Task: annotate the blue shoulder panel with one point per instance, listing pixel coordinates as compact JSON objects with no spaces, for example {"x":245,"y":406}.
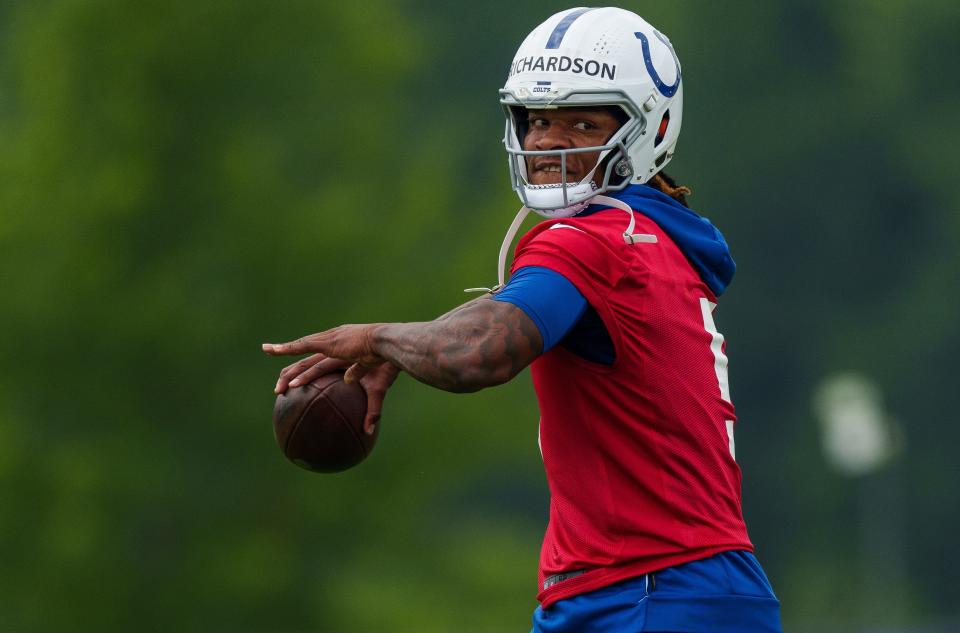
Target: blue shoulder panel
{"x":548,"y":298}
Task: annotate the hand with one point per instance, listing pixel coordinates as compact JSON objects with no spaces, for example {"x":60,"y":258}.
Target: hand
{"x":307,"y":370}
{"x":347,"y":346}
{"x":346,"y":342}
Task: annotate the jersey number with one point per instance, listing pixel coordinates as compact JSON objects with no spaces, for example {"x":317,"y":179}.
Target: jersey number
{"x":719,"y":363}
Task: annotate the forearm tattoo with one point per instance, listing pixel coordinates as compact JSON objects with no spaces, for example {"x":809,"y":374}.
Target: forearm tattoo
{"x":479,"y":344}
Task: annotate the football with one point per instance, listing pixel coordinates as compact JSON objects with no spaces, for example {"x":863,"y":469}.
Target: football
{"x":319,"y":426}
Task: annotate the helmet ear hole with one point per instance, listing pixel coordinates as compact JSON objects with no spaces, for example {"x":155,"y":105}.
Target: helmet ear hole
{"x":662,"y":130}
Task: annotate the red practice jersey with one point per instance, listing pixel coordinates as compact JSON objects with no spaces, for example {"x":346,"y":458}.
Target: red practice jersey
{"x":639,"y":455}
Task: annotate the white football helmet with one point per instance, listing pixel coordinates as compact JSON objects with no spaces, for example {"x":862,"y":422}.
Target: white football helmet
{"x":594,"y":57}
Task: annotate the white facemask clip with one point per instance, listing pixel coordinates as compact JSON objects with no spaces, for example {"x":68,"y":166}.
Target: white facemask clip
{"x":628,"y":236}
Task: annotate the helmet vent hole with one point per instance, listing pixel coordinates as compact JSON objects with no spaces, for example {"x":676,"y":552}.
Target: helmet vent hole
{"x":662,"y":131}
{"x":605,"y":45}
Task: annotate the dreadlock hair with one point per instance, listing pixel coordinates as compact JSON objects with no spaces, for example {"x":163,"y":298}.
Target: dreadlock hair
{"x":666,"y":184}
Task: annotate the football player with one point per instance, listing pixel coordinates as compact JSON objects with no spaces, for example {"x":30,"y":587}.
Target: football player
{"x":611,"y":303}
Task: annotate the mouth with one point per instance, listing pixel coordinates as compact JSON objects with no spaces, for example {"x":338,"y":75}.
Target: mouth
{"x":550,"y":172}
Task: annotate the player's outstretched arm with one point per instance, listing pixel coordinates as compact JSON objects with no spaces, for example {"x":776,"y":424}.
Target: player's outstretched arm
{"x":480,"y":344}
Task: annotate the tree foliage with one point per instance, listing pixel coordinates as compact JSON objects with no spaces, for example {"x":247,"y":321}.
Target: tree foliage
{"x":183,"y":180}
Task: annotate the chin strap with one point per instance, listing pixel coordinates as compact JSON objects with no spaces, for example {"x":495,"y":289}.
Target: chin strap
{"x":504,"y":248}
{"x":629,"y":237}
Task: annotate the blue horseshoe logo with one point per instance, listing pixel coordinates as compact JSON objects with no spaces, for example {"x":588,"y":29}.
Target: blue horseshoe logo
{"x":665,"y":90}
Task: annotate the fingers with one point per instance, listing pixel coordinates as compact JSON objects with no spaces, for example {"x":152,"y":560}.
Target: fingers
{"x":349,"y":342}
{"x":375,"y":397}
{"x":312,"y":343}
{"x":355,"y":373}
{"x":370,"y":422}
{"x":290,"y":372}
{"x":286,"y":349}
{"x":376,"y":382}
{"x":321,"y":368}
{"x":307,"y":370}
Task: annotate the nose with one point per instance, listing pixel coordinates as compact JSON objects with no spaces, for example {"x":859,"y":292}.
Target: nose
{"x":552,"y":137}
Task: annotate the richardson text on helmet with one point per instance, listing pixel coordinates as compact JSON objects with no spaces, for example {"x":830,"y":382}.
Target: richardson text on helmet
{"x":563,"y":64}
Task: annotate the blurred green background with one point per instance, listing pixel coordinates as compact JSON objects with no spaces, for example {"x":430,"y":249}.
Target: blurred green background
{"x":181,"y":180}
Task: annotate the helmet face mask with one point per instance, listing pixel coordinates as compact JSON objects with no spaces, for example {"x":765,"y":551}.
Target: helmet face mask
{"x":613,"y":163}
{"x":594,"y":58}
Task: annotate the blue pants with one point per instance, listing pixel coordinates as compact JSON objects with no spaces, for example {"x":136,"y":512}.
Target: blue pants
{"x":725,"y":593}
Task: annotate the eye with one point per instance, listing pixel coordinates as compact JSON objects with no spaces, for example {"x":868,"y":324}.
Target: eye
{"x":538,"y":122}
{"x":584,"y":126}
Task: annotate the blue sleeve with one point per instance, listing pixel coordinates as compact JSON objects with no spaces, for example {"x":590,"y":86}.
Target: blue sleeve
{"x":548,"y":298}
